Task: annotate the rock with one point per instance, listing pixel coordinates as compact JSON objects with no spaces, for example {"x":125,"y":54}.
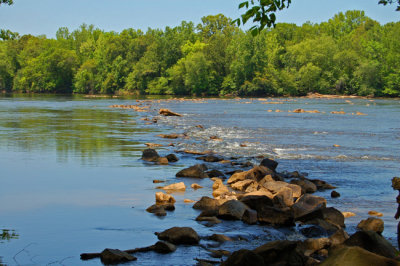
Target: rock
{"x":373,"y":242}
{"x":296,"y":189}
{"x":164,"y":247}
{"x":152,"y":145}
{"x":356,"y":256}
{"x":313,"y":231}
{"x":215,"y":173}
{"x":256,"y":173}
{"x":115,"y":256}
{"x":219,"y":188}
{"x":206,"y":203}
{"x":172,"y":158}
{"x":167,"y":112}
{"x":253,"y":187}
{"x":275,"y":186}
{"x":372,"y":224}
{"x":195,"y":186}
{"x":162,"y":161}
{"x":375,"y":213}
{"x":150,"y":155}
{"x":257,"y":201}
{"x":188,"y":201}
{"x":250,"y":216}
{"x":169,"y":136}
{"x":160,"y":210}
{"x":348,"y":214}
{"x":307,"y":204}
{"x":155,"y":181}
{"x":180,"y":235}
{"x":339,"y":237}
{"x":306,"y":185}
{"x":335,"y":194}
{"x":281,"y":252}
{"x":215,"y":138}
{"x":269,"y":163}
{"x":322,"y":185}
{"x":242,"y":185}
{"x":396,"y":183}
{"x":314,"y":244}
{"x":211,"y":220}
{"x":275,"y":216}
{"x":219,"y":238}
{"x":195,"y":171}
{"x":329,"y":227}
{"x":232,"y":210}
{"x":265,"y":179}
{"x":219,"y":253}
{"x":284,"y":197}
{"x":244,"y":257}
{"x":162,"y":198}
{"x":210,"y":158}
{"x":176,"y":187}
{"x":331,"y":215}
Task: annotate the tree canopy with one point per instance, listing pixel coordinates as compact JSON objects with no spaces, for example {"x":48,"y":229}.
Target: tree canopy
{"x":8,"y":2}
{"x":348,"y":54}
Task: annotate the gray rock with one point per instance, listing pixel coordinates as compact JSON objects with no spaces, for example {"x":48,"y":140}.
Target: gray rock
{"x":150,"y":155}
{"x":275,"y":216}
{"x":195,"y":171}
{"x":232,"y":210}
{"x":307,"y":204}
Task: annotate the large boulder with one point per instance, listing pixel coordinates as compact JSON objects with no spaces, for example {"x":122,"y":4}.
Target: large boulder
{"x":215,"y":173}
{"x":196,"y":171}
{"x":284,"y":197}
{"x":150,"y":155}
{"x":339,"y":237}
{"x":373,"y":242}
{"x":219,"y":188}
{"x":206,"y":203}
{"x":244,"y":257}
{"x":115,"y":256}
{"x":232,"y":210}
{"x":372,"y":224}
{"x":306,"y":185}
{"x":307,"y":204}
{"x":281,"y":252}
{"x":331,"y":215}
{"x":275,"y":216}
{"x":356,"y":256}
{"x":180,"y":235}
{"x":256,"y":173}
{"x":257,"y":201}
{"x":269,"y":163}
{"x":275,"y":186}
{"x":242,"y":185}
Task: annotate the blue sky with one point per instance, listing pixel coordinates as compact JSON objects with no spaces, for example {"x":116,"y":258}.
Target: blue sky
{"x":46,"y":16}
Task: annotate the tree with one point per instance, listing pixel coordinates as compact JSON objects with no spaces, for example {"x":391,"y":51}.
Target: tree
{"x":8,"y":2}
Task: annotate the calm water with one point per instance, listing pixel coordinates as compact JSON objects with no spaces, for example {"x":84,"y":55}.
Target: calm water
{"x":72,"y":180}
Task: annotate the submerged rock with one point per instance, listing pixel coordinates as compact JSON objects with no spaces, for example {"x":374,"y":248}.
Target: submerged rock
{"x":180,"y":235}
{"x":164,"y":247}
{"x":115,"y":256}
{"x":210,"y":158}
{"x":172,"y":158}
{"x":220,"y":238}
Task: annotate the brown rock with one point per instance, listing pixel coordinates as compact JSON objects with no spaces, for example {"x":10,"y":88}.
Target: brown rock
{"x":164,"y":247}
{"x":375,"y":213}
{"x":180,"y":235}
{"x":242,"y":185}
{"x":167,"y":112}
{"x":195,"y":171}
{"x":195,"y":186}
{"x":150,"y":155}
{"x":335,"y":194}
{"x":307,"y":204}
{"x":175,"y":187}
{"x":162,"y":198}
{"x":372,"y":224}
{"x":232,"y":210}
{"x":162,"y":161}
{"x":219,"y":238}
{"x":172,"y":158}
{"x":244,"y":257}
{"x":206,"y":203}
{"x":115,"y":256}
{"x":306,"y":185}
{"x":250,"y":216}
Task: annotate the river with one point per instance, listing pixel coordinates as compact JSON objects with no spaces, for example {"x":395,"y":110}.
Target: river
{"x":72,"y":180}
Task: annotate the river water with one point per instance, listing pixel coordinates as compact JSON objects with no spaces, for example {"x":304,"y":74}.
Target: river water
{"x":72,"y":180}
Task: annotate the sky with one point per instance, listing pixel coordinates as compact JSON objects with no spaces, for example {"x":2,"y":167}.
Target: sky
{"x":44,"y":17}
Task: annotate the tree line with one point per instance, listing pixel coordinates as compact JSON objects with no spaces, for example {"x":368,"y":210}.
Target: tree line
{"x":349,"y":54}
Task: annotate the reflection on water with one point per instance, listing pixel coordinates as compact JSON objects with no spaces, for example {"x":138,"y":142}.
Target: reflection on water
{"x":7,"y":235}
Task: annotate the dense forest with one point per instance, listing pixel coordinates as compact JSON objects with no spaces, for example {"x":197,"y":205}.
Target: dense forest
{"x":348,"y":54}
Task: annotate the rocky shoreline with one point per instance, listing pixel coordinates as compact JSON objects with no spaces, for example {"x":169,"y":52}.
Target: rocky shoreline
{"x":259,"y":194}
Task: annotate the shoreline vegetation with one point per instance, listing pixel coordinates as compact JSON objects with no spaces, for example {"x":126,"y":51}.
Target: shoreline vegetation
{"x":350,"y":54}
{"x":254,"y":194}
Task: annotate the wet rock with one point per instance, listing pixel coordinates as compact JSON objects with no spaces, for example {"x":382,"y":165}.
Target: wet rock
{"x":215,"y":173}
{"x":373,"y":242}
{"x":175,"y":187}
{"x":335,"y":194}
{"x":180,"y":235}
{"x":269,"y":163}
{"x":281,"y":252}
{"x":331,"y":215}
{"x":312,"y":245}
{"x":195,"y":171}
{"x":115,"y":256}
{"x":348,"y":214}
{"x":242,"y":185}
{"x":329,"y":227}
{"x":164,"y":247}
{"x":150,"y":155}
{"x":210,"y":158}
{"x":162,"y":198}
{"x":172,"y":158}
{"x":219,"y":253}
{"x":244,"y":257}
{"x":294,"y":174}
{"x":188,"y":201}
{"x":156,"y":181}
{"x":253,"y":187}
{"x":211,"y":220}
{"x":339,"y":237}
{"x":153,"y":145}
{"x":356,"y":256}
{"x":396,"y":183}
{"x":313,"y":231}
{"x":275,"y":186}
{"x":296,"y":189}
{"x":160,"y":210}
{"x":322,"y":185}
{"x":256,"y":173}
{"x":375,"y":213}
{"x":219,"y":188}
{"x":206,"y":203}
{"x":257,"y":201}
{"x":265,"y":179}
{"x":232,"y":210}
{"x":307,"y":204}
{"x":306,"y":185}
{"x":162,"y":161}
{"x":275,"y":216}
{"x":219,"y":238}
{"x":372,"y":224}
{"x":250,"y":216}
{"x":169,"y":136}
{"x":195,"y":186}
{"x":167,"y":112}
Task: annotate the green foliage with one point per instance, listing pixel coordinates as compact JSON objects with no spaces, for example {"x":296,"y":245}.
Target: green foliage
{"x":348,"y":54}
{"x":8,"y":2}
